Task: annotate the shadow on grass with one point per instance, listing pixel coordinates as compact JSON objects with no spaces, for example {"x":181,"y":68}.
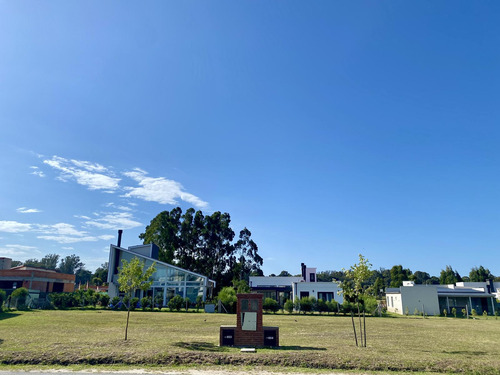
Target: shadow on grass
{"x":465,"y":352}
{"x":201,"y":346}
{"x":6,"y":315}
{"x":298,"y":347}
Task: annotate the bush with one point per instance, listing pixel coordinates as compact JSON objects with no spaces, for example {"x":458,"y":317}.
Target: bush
{"x":321,"y":306}
{"x":289,"y":306}
{"x":3,"y":297}
{"x":104,"y":299}
{"x":473,"y":313}
{"x":228,"y":298}
{"x":187,"y":303}
{"x":175,"y":303}
{"x":270,"y":305}
{"x":333,"y":306}
{"x":20,"y":296}
{"x":306,"y":305}
{"x":134,"y":303}
{"x":145,"y":303}
{"x":199,"y":303}
{"x":115,"y":301}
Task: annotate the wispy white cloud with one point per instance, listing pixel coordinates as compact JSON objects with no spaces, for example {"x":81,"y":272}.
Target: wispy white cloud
{"x":159,"y":189}
{"x":14,"y":226}
{"x":93,"y":176}
{"x":37,"y":172}
{"x":19,"y":251}
{"x":69,"y":239}
{"x":67,"y":248}
{"x":114,"y":220}
{"x":24,"y":210}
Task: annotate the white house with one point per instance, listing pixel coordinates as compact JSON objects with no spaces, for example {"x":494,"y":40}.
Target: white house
{"x":433,"y":299}
{"x":282,"y":288}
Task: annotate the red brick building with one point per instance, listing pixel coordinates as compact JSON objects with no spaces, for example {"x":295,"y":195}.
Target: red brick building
{"x":34,"y":279}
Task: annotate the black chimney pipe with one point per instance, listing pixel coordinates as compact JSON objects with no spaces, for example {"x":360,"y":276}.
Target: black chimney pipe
{"x":120,"y":232}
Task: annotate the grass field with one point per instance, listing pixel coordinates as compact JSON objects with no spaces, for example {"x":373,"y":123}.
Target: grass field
{"x":394,"y":344}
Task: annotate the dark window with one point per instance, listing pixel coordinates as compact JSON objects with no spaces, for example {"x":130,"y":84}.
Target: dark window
{"x":325,"y":296}
{"x":312,"y":277}
{"x":304,"y":294}
{"x":58,"y":287}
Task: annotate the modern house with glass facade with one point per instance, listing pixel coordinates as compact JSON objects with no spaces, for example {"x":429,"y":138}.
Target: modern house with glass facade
{"x":168,"y":280}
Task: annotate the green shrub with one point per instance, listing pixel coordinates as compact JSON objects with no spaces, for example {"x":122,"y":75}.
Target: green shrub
{"x":270,"y":305}
{"x":454,"y":312}
{"x":115,"y":301}
{"x":20,"y":296}
{"x":187,"y":303}
{"x":485,"y":314}
{"x":175,"y":303}
{"x":321,"y":306}
{"x":227,"y":296}
{"x":306,"y":305}
{"x":145,"y":303}
{"x":296,"y":305}
{"x":445,"y":313}
{"x":104,"y":299}
{"x":473,"y":313}
{"x":133,"y":303}
{"x":3,"y":298}
{"x":333,"y":306}
{"x":289,"y":306}
{"x":199,"y":303}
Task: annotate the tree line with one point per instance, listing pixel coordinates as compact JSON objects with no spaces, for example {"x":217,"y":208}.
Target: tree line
{"x":204,"y":244}
{"x":70,"y":264}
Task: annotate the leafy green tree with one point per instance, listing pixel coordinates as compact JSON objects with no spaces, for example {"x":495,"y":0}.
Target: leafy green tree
{"x":82,"y":276}
{"x":378,"y":287}
{"x":228,"y":298}
{"x":132,"y":276}
{"x":100,"y":276}
{"x":204,"y":244}
{"x":420,"y":277}
{"x":480,"y":274}
{"x":284,"y":274}
{"x":398,"y":275}
{"x":241,"y":286}
{"x":353,"y":289}
{"x":70,"y":264}
{"x":328,"y":276}
{"x":16,"y":263}
{"x":449,"y":276}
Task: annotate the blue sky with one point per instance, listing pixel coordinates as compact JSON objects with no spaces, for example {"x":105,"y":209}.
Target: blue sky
{"x":327,"y":128}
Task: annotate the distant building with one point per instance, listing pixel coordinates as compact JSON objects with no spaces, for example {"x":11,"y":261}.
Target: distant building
{"x":282,"y":288}
{"x":38,"y":281}
{"x":433,"y":299}
{"x":168,"y":280}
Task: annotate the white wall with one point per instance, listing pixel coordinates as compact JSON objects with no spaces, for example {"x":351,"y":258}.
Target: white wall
{"x":256,"y":281}
{"x":420,"y":297}
{"x":315,"y":288}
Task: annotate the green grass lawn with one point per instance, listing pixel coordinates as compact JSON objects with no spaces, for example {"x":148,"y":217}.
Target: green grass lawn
{"x":394,"y":344}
